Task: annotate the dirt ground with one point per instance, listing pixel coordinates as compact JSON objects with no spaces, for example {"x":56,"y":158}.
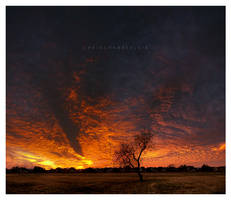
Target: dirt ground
{"x":117,"y":183}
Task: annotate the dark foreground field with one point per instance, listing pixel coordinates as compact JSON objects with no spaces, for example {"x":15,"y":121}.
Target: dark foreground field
{"x":116,"y":183}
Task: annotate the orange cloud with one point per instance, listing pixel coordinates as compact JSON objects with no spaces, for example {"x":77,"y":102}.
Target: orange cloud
{"x":103,"y":125}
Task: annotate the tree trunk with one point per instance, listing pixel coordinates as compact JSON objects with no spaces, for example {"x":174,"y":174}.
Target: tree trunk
{"x":139,"y":172}
{"x":140,"y":175}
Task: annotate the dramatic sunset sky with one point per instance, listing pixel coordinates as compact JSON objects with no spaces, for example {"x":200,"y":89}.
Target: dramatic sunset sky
{"x":71,"y":106}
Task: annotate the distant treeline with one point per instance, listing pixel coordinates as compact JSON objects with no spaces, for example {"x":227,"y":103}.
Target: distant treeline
{"x":170,"y":168}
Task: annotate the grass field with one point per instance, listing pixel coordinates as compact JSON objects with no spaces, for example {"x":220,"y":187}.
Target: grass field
{"x":117,"y":183}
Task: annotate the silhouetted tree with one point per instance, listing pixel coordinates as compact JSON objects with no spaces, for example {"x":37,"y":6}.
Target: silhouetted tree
{"x":183,"y":168}
{"x":206,"y":168}
{"x":72,"y":170}
{"x":171,"y":168}
{"x":129,"y":154}
{"x":37,"y":169}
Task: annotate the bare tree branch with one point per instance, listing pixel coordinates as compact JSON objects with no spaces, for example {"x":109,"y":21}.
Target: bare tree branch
{"x":126,"y":155}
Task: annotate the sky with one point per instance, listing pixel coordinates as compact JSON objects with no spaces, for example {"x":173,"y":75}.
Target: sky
{"x":83,"y":80}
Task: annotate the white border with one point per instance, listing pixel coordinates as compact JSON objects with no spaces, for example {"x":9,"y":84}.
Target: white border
{"x":2,"y":101}
{"x":115,"y":2}
{"x":228,"y":101}
{"x":4,"y":3}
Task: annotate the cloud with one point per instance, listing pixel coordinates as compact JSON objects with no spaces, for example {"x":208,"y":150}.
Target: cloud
{"x":68,"y":107}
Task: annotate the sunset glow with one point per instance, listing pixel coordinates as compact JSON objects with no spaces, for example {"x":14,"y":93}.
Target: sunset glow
{"x":69,"y":107}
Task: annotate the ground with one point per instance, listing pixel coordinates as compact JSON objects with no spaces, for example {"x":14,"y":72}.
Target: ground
{"x":117,"y":183}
